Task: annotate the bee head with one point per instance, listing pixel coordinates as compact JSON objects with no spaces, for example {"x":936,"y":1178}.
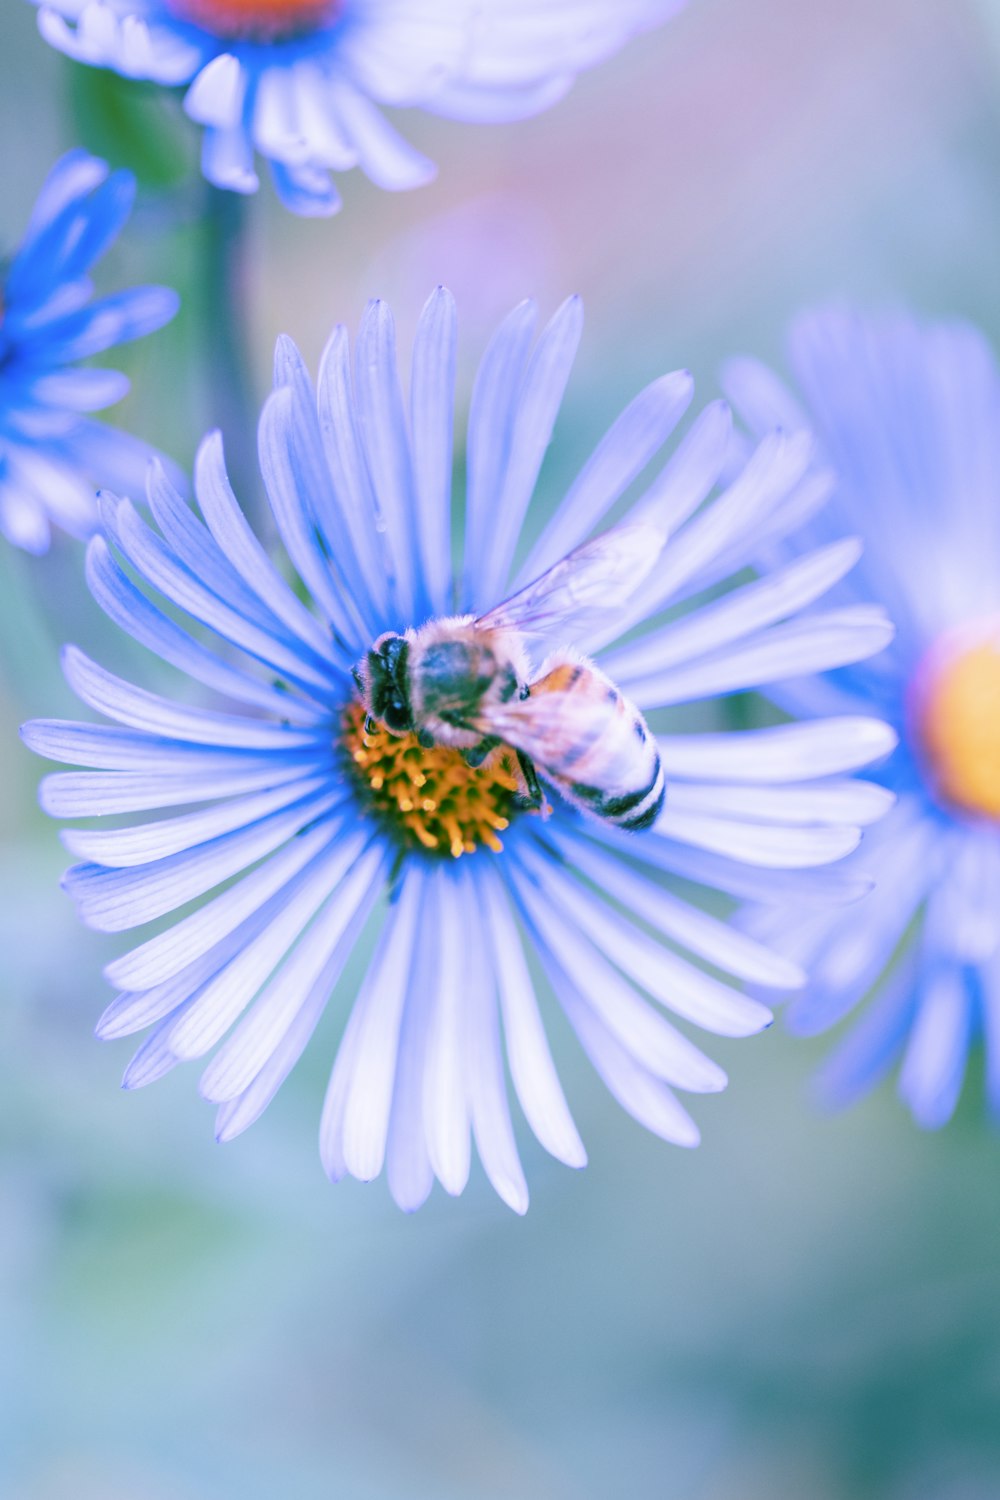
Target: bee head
{"x":382,"y":684}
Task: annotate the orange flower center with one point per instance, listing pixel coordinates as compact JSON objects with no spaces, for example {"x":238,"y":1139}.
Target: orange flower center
{"x":955,"y":716}
{"x":431,"y":799}
{"x":257,"y":20}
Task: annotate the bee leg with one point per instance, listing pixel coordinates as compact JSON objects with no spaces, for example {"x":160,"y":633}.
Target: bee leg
{"x":425,"y":740}
{"x":476,"y":754}
{"x":370,"y":724}
{"x":535,"y":797}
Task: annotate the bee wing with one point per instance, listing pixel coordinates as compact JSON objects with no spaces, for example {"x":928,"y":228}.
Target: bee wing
{"x":544,"y":727}
{"x":584,"y":586}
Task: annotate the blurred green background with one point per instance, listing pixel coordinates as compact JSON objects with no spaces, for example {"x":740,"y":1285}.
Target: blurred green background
{"x":805,"y":1308}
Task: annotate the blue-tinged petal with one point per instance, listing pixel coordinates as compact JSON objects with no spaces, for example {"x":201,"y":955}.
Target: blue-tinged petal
{"x":138,"y":709}
{"x":491,"y":423}
{"x":673,"y":981}
{"x":237,"y":1114}
{"x":774,"y":469}
{"x":768,"y":845}
{"x":737,"y":615}
{"x":486,"y":1083}
{"x":217,"y":93}
{"x":386,"y":446}
{"x":80,"y":390}
{"x":166,"y":954}
{"x":934,"y":1064}
{"x":787,"y":753}
{"x":645,"y":1097}
{"x":288,"y":496}
{"x":226,"y":996}
{"x":329,"y":940}
{"x":531,"y":1067}
{"x":236,"y":541}
{"x":382,"y":153}
{"x":227,"y":160}
{"x":821,"y":889}
{"x":633,"y":441}
{"x":537,"y":406}
{"x":905,"y":861}
{"x":153,"y":1061}
{"x":129,"y":608}
{"x":763,"y":401}
{"x":446,"y":1103}
{"x":91,"y":794}
{"x":432,"y":415}
{"x":306,"y":190}
{"x":109,"y":748}
{"x":720,"y":1009}
{"x":118,"y":319}
{"x":158,"y":565}
{"x":990,"y":1002}
{"x":873,"y":1043}
{"x":408,"y":1164}
{"x":132,"y":1010}
{"x":813,"y":643}
{"x":378,"y":1011}
{"x":74,"y":175}
{"x":662,"y":1049}
{"x":348,"y":504}
{"x":841,"y":801}
{"x":123,"y":848}
{"x":112,"y":900}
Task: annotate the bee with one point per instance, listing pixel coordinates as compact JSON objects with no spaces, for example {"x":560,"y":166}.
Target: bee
{"x":466,"y":682}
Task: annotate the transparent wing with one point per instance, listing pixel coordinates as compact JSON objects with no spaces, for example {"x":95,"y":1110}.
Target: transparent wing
{"x":585,"y":587}
{"x":543,"y":727}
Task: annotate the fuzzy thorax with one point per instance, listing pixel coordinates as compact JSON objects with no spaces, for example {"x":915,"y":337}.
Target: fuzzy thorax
{"x":431,"y":799}
{"x":955,"y":717}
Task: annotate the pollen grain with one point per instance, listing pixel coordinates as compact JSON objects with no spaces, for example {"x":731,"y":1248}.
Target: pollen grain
{"x":431,"y":799}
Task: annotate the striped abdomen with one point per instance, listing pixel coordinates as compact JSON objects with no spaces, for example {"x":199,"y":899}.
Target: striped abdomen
{"x":597,"y":748}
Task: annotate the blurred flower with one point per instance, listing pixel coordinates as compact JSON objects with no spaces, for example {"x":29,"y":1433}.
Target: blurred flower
{"x":909,"y":416}
{"x":49,"y":451}
{"x":301,"y":81}
{"x":307,"y":818}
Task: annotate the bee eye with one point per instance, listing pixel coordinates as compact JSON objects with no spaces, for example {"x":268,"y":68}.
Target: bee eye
{"x":397,"y":715}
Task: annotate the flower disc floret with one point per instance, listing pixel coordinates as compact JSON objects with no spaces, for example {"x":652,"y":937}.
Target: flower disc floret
{"x":429,"y":799}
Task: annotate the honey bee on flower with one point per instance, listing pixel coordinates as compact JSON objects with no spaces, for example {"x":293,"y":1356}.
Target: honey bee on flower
{"x":450,"y":745}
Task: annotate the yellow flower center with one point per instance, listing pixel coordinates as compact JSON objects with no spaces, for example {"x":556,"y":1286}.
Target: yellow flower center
{"x":955,"y":711}
{"x":257,"y":20}
{"x":431,"y":799}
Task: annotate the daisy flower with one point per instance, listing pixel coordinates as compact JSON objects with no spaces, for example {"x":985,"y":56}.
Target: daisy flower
{"x":49,"y":449}
{"x":318,"y":804}
{"x":909,"y":416}
{"x":303,"y":82}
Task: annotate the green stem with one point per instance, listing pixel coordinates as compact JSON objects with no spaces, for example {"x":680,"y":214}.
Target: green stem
{"x":225,"y":340}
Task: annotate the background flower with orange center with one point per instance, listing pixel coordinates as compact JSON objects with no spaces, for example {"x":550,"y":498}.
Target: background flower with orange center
{"x":908,"y":414}
{"x":303,"y":82}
